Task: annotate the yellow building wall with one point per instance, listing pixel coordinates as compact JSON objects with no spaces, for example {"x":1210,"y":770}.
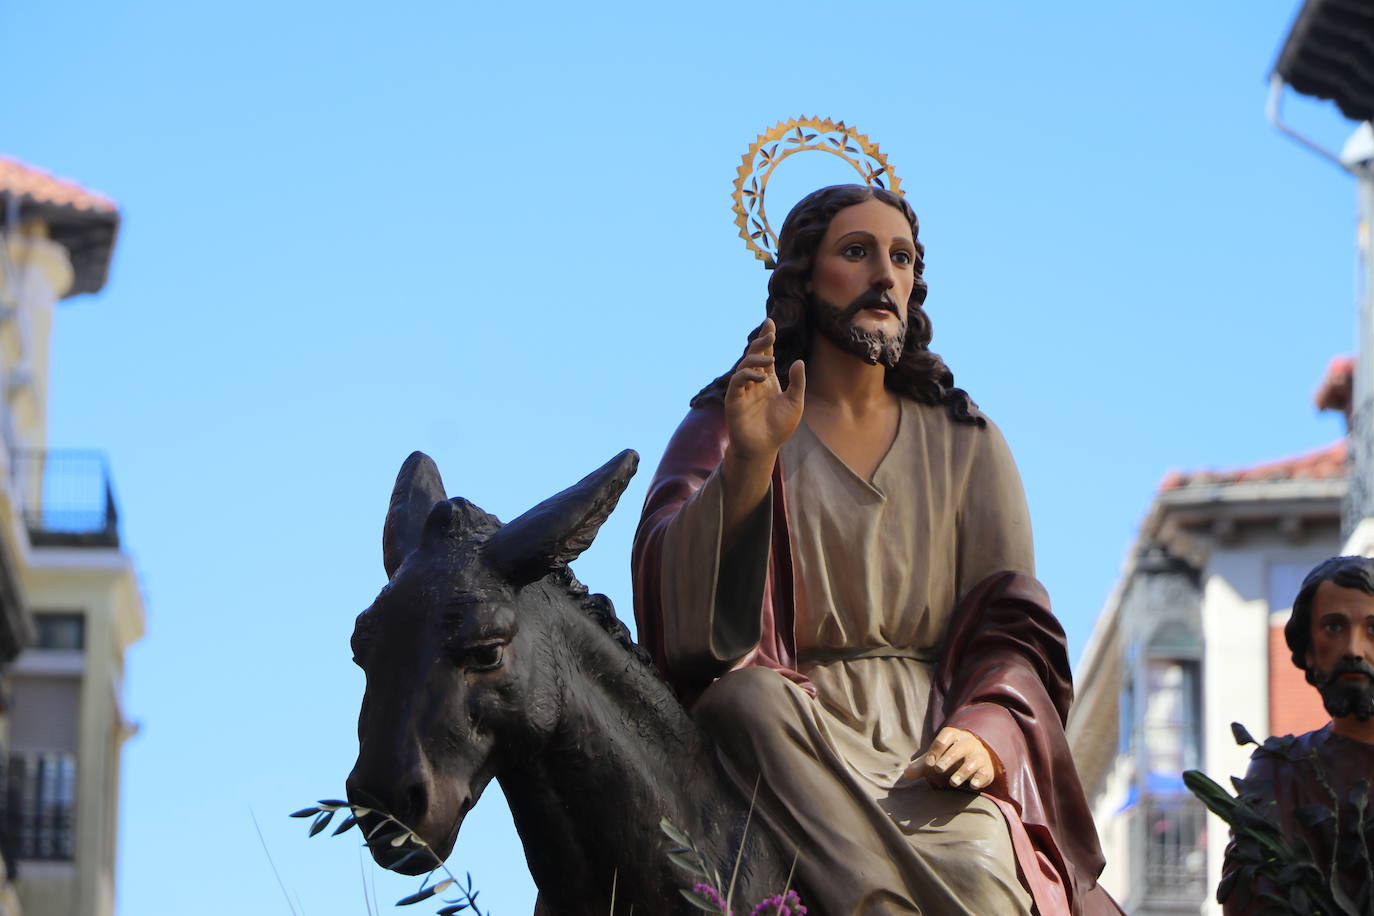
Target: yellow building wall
{"x":100,"y":584}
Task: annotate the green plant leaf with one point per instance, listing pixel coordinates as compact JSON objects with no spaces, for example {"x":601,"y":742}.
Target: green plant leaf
{"x":344,"y":825}
{"x":1242,"y":734}
{"x":388,"y":826}
{"x":699,"y":901}
{"x":332,"y":803}
{"x":674,"y":833}
{"x":305,"y":812}
{"x":1226,"y":885}
{"x":423,"y":894}
{"x":450,"y":910}
{"x":1340,"y":899}
{"x":1218,"y":800}
{"x":687,"y":863}
{"x":321,"y":822}
{"x":1312,"y":815}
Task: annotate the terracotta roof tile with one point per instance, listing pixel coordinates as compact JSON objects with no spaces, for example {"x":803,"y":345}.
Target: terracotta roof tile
{"x":1334,"y":393}
{"x":86,"y":223}
{"x":1324,"y":464}
{"x":41,"y":187}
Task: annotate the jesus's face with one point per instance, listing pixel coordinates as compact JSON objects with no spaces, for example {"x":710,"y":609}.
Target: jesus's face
{"x":1340,"y":660}
{"x":861,"y":280}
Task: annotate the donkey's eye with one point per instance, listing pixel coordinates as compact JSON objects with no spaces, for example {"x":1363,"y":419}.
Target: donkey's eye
{"x":484,"y":657}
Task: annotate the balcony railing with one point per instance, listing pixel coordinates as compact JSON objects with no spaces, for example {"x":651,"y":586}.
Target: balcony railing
{"x":66,"y":498}
{"x":1175,"y":848}
{"x":40,"y":805}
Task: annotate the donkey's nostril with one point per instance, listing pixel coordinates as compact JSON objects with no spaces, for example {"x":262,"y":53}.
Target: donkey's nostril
{"x":415,"y":804}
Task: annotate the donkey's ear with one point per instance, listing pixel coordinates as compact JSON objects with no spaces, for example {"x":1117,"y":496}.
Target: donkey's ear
{"x":417,"y":489}
{"x":553,"y":533}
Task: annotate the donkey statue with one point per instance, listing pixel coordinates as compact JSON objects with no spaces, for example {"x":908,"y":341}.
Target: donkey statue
{"x":485,"y":658}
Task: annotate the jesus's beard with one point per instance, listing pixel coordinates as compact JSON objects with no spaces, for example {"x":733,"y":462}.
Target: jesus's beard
{"x":873,"y":347}
{"x":1347,"y":697}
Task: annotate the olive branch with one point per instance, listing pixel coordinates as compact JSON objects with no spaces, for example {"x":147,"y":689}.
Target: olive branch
{"x":705,"y":894}
{"x":390,"y":830}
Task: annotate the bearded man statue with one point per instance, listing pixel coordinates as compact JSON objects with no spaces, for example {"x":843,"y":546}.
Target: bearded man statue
{"x":1331,"y":637}
{"x":834,"y":566}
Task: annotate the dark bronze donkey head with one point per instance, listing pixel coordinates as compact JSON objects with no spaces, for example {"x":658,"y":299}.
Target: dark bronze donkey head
{"x":461,"y":666}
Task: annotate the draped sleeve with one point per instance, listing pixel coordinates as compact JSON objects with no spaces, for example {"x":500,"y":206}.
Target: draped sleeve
{"x":701,"y":611}
{"x":993,"y":522}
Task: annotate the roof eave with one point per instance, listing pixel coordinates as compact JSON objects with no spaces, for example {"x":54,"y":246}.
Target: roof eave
{"x":88,"y":235}
{"x":1327,"y":55}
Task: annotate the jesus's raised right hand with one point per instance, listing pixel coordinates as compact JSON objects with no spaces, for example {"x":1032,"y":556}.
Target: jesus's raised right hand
{"x":759,"y":415}
{"x":759,"y":418}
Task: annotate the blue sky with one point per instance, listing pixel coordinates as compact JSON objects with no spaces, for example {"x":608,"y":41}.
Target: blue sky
{"x":503,"y":237}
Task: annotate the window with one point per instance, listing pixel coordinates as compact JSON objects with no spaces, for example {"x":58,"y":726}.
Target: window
{"x":41,"y":797}
{"x":1172,"y":824}
{"x":1285,"y":580}
{"x":41,"y":803}
{"x":1172,"y":726}
{"x":1126,"y":719}
{"x":59,"y":631}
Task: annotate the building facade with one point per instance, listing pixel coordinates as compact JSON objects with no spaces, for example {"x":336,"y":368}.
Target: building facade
{"x":1190,"y":641}
{"x":69,"y":600}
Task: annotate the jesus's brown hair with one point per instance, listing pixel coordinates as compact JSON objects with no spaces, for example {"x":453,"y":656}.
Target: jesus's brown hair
{"x":920,"y":374}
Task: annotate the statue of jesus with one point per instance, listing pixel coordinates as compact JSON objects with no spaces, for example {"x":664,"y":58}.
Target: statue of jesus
{"x":834,"y":567}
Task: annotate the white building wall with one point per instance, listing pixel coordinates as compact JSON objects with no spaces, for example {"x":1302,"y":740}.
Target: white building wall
{"x":1114,"y":829}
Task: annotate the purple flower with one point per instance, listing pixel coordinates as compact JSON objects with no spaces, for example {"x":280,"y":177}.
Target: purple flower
{"x":788,"y":904}
{"x":712,"y":896}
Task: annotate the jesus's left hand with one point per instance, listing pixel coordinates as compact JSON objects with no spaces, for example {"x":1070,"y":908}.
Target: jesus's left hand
{"x":955,"y":758}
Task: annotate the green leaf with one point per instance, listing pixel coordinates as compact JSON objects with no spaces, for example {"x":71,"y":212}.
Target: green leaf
{"x":321,"y":822}
{"x":450,"y":910}
{"x":1242,"y":734}
{"x":305,"y":812}
{"x":422,"y":894}
{"x":1296,"y":871}
{"x":1312,"y":815}
{"x":699,"y":901}
{"x":388,"y":826}
{"x":1226,"y":886}
{"x":344,"y":825}
{"x":687,"y":863}
{"x":1342,"y":900}
{"x":332,"y":803}
{"x":1218,"y":800}
{"x":674,"y":833}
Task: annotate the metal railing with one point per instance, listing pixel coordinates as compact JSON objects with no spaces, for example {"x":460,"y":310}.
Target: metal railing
{"x":1175,"y":848}
{"x":41,"y":805}
{"x":66,"y":498}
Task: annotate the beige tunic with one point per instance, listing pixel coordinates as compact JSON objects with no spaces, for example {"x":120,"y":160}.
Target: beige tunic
{"x":878,"y":566}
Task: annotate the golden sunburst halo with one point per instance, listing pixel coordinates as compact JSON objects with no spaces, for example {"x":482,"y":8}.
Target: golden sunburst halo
{"x":785,"y":139}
